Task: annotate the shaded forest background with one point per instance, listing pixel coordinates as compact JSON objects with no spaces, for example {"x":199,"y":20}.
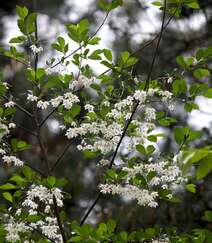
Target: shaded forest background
{"x":82,"y":173}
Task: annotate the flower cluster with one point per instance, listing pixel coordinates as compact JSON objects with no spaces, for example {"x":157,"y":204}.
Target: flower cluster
{"x":36,"y":197}
{"x":43,"y":195}
{"x":12,"y":160}
{"x":67,"y":100}
{"x":163,"y":175}
{"x":36,"y":49}
{"x":143,"y":196}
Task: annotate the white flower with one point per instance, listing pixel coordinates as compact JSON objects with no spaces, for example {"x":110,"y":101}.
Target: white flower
{"x":166,"y":95}
{"x":69,"y":100}
{"x":140,"y":96}
{"x":12,"y":159}
{"x":169,"y":80}
{"x":56,"y":101}
{"x":150,"y":114}
{"x":36,"y":49}
{"x":42,"y":104}
{"x":11,"y":125}
{"x":31,"y":97}
{"x":89,"y":108}
{"x":2,"y":151}
{"x":104,"y":162}
{"x":49,"y":71}
{"x":9,"y":104}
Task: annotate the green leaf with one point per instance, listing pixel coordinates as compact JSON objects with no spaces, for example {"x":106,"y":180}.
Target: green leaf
{"x":111,"y":225}
{"x":180,"y":134}
{"x":8,"y":196}
{"x":51,"y":180}
{"x":94,"y":41}
{"x":201,"y":73}
{"x":7,"y":186}
{"x":20,"y":181}
{"x":3,"y":89}
{"x":208,"y":93}
{"x":191,"y":188}
{"x":150,"y":149}
{"x":109,"y":6}
{"x":31,"y":23}
{"x":181,"y":61}
{"x":152,"y":138}
{"x":189,"y":106}
{"x":141,"y":149}
{"x":108,"y":54}
{"x":21,"y":11}
{"x":207,"y":216}
{"x":18,"y":39}
{"x":179,"y":86}
{"x":193,"y":5}
{"x":96,"y":55}
{"x":205,"y":167}
{"x":28,"y":172}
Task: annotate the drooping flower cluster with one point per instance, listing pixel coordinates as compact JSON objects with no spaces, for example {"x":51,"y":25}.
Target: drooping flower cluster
{"x":43,"y":195}
{"x":143,"y":196}
{"x":158,"y":175}
{"x":67,"y":101}
{"x":37,"y":197}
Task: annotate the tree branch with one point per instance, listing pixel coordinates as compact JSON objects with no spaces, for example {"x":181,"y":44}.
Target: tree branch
{"x":133,"y":112}
{"x":61,"y":156}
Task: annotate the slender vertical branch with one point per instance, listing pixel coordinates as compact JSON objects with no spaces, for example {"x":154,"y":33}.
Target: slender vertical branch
{"x":41,"y":143}
{"x":133,"y":111}
{"x":59,"y":222}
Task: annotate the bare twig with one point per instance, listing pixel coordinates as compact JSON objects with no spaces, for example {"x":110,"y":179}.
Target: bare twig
{"x":26,"y":130}
{"x":47,"y":117}
{"x":61,"y":156}
{"x":19,"y":107}
{"x":132,"y":114}
{"x":59,"y":222}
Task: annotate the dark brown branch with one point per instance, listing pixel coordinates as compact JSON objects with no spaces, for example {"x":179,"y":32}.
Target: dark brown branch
{"x":76,"y":50}
{"x":27,"y":130}
{"x":58,"y":219}
{"x":132,"y":114}
{"x":38,"y":231}
{"x":19,"y":107}
{"x":61,"y":156}
{"x":47,"y":117}
{"x":146,"y":44}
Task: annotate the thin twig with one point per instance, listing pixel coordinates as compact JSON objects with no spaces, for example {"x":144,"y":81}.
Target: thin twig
{"x":33,"y":168}
{"x":26,"y":130}
{"x":61,"y":156}
{"x":22,"y":62}
{"x":38,"y":231}
{"x":146,"y":44}
{"x":19,"y":107}
{"x":133,"y":112}
{"x":76,"y":50}
{"x":59,"y":222}
{"x":47,"y":117}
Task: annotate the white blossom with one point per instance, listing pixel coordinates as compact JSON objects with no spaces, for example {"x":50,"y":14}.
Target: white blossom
{"x":89,"y":108}
{"x":9,"y":104}
{"x":42,"y":104}
{"x":31,"y":97}
{"x":140,"y":96}
{"x":36,"y":49}
{"x":12,"y":159}
{"x":150,"y":114}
